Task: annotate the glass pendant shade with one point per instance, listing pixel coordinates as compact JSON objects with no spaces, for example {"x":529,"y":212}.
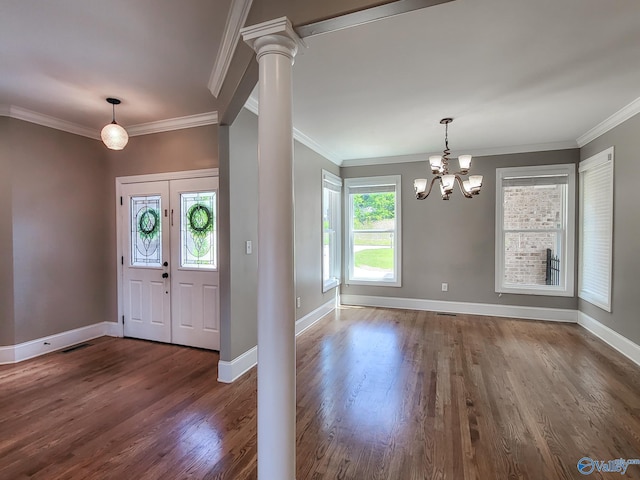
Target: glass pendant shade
{"x":466,"y":184}
{"x":436,"y":163}
{"x":114,"y":136}
{"x":447,"y":183}
{"x":475,"y":181}
{"x":420,"y":185}
{"x":465,"y":162}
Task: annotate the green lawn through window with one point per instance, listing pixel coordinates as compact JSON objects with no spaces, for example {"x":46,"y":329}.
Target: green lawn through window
{"x":375,"y":257}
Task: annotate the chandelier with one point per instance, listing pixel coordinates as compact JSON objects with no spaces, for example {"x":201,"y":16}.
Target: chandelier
{"x":440,"y":168}
{"x":113,"y":135}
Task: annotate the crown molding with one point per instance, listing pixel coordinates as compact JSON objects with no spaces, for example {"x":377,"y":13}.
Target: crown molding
{"x":178,"y":123}
{"x":253,"y":106}
{"x":485,"y":152}
{"x":622,"y":115}
{"x":30,"y":116}
{"x":235,"y":21}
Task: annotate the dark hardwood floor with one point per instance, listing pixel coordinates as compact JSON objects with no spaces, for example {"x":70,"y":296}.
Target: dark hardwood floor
{"x":382,"y":394}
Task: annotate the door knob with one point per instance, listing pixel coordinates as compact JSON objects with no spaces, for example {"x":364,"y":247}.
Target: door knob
{"x":165,"y":264}
{"x":165,"y":275}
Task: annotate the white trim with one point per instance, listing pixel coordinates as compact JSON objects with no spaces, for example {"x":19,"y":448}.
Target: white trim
{"x":375,"y":181}
{"x":235,"y":21}
{"x":40,"y":346}
{"x":113,"y":329}
{"x":622,"y":115}
{"x":228,"y":372}
{"x":481,"y":152}
{"x":178,"y":123}
{"x":494,"y":310}
{"x":277,"y":26}
{"x":253,"y":106}
{"x":155,"y":177}
{"x":312,"y":318}
{"x":48,"y":121}
{"x":566,"y":287}
{"x":614,"y":339}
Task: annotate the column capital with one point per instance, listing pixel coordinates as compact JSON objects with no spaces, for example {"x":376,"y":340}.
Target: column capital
{"x":276,"y":36}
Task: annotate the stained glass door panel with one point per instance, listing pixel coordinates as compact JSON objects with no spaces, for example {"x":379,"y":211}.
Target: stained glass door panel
{"x":198,"y":232}
{"x":146,"y":230}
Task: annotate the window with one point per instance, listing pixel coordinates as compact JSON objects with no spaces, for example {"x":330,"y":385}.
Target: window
{"x":331,"y":221}
{"x":596,"y":229}
{"x":535,"y":218}
{"x":373,"y":239}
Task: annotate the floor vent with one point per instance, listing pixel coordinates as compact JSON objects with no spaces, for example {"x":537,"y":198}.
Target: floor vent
{"x":445,"y":314}
{"x":75,"y":347}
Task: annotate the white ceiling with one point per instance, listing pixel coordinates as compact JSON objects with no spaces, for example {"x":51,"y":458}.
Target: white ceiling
{"x":63,"y":58}
{"x":516,"y":75}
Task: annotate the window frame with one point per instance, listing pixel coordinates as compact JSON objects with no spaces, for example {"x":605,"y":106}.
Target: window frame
{"x":335,"y":267}
{"x":376,"y":181}
{"x":604,"y":158}
{"x":567,"y":240}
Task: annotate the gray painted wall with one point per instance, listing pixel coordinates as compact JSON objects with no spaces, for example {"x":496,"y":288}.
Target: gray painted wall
{"x":454,"y":241}
{"x":242,"y":167}
{"x":626,"y":230}
{"x":7,"y":325}
{"x":59,"y":192}
{"x":308,"y":166}
{"x":243,"y":225}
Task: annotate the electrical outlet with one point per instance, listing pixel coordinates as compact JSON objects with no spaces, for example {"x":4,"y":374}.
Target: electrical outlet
{"x":298,"y":302}
{"x":248,"y":247}
{"x":445,"y":287}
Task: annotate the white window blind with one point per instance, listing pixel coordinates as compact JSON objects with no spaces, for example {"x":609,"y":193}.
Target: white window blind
{"x":596,"y":229}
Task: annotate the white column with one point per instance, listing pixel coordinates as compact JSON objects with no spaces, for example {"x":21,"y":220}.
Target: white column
{"x":275,"y":44}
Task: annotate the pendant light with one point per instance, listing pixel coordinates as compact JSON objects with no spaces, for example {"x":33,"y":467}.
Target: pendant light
{"x":113,"y":135}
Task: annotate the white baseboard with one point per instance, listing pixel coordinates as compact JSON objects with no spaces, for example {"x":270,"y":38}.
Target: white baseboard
{"x":494,"y":310}
{"x":113,"y":329}
{"x":620,"y":343}
{"x":34,"y":348}
{"x":311,"y":318}
{"x":229,"y":372}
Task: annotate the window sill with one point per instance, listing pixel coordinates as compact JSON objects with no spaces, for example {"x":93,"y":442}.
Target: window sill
{"x":530,"y":290}
{"x":326,"y":286}
{"x":374,"y":283}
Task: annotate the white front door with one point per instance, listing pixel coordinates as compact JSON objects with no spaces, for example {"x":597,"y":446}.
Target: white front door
{"x":194,"y":263}
{"x":170,"y":261}
{"x":145,"y":282}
